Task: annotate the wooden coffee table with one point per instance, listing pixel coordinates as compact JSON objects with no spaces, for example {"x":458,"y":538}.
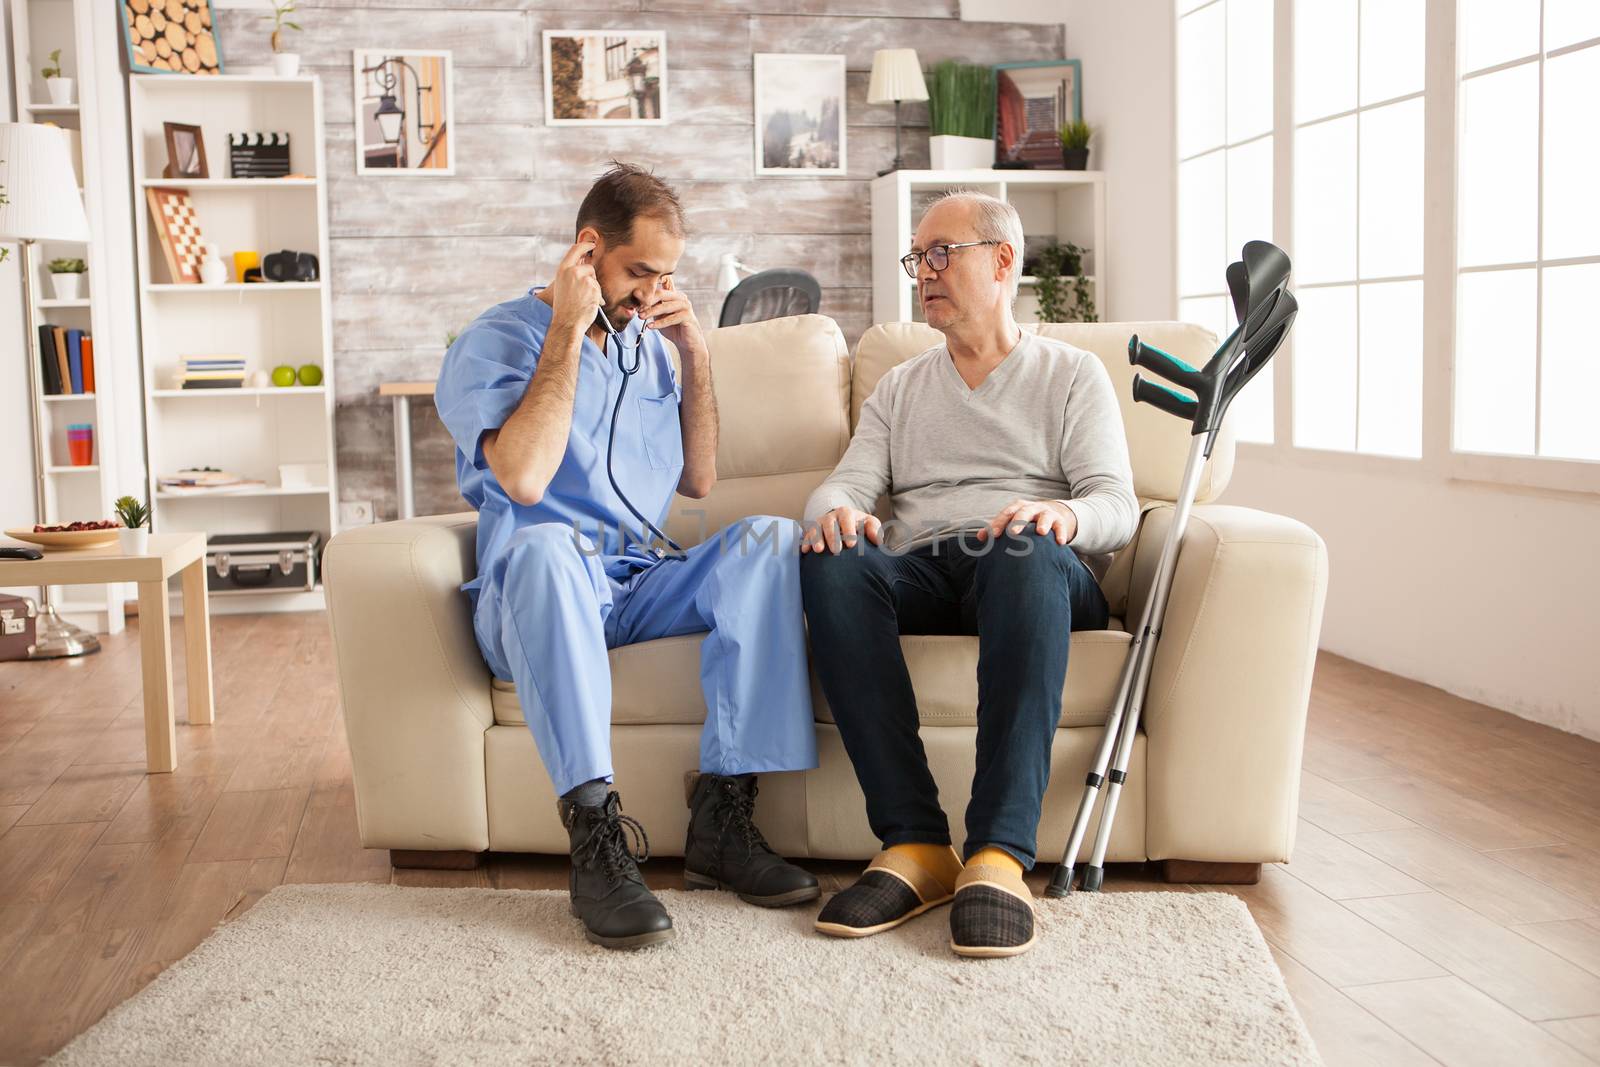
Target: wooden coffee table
{"x":168,"y":554}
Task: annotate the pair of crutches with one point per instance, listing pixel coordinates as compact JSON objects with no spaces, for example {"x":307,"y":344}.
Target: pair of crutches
{"x":1265,"y":309}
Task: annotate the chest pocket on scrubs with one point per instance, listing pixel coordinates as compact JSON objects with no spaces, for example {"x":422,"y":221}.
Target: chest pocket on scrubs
{"x":663,"y":439}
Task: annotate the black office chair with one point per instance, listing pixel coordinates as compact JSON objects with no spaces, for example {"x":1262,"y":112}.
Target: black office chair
{"x":771,"y":294}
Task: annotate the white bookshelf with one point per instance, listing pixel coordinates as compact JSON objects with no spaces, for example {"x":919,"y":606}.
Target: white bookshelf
{"x":251,"y":430}
{"x":1069,"y":205}
{"x":86,"y":38}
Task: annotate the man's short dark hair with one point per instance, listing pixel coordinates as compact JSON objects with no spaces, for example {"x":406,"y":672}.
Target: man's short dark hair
{"x":624,"y":194}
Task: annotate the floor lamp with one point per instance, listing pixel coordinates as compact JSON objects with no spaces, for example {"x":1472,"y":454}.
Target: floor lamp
{"x":39,"y":201}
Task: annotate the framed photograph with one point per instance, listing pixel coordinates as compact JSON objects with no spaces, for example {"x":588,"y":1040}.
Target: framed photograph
{"x":170,"y":37}
{"x":605,"y":78}
{"x":800,"y":121}
{"x":1032,"y":101}
{"x":405,"y":109}
{"x":186,"y":151}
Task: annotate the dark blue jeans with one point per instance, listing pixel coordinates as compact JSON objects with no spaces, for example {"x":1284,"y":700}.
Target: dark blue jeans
{"x":1020,"y":595}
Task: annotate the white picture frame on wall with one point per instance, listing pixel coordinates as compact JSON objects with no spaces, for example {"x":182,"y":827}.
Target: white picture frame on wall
{"x":605,"y":78}
{"x":404,"y":112}
{"x":800,"y":102}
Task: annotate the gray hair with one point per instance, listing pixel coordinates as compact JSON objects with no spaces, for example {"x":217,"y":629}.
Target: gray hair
{"x":994,"y":220}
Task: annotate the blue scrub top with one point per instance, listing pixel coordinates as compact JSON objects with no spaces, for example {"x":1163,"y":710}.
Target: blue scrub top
{"x":484,"y":377}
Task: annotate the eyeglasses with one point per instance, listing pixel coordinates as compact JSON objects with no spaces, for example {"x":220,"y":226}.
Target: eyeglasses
{"x":938,"y":256}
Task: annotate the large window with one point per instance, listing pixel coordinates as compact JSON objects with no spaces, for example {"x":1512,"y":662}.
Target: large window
{"x":1528,"y":245}
{"x":1225,"y":83}
{"x":1358,"y":114}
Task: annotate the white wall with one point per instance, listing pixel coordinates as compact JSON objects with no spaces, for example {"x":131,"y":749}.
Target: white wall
{"x":1489,"y":592}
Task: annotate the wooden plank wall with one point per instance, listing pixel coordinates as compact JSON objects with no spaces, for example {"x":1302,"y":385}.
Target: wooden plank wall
{"x":415,"y":258}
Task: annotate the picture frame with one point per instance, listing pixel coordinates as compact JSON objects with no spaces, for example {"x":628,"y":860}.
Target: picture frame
{"x":799,"y":109}
{"x":1027,"y":98}
{"x":605,"y":78}
{"x":186,"y":151}
{"x":171,"y":37}
{"x":404,"y":112}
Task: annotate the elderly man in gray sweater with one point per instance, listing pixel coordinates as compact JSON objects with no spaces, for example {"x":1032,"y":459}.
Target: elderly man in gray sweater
{"x":1004,"y":457}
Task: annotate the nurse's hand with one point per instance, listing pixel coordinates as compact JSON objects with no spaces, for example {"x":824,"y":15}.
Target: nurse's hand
{"x":673,"y":315}
{"x":575,"y":292}
{"x":838,"y":527}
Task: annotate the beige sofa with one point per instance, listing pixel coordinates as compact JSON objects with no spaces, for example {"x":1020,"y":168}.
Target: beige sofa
{"x":445,"y":768}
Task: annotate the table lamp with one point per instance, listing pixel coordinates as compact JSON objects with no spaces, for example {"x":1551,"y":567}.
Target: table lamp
{"x":41,"y":202}
{"x":896,"y":76}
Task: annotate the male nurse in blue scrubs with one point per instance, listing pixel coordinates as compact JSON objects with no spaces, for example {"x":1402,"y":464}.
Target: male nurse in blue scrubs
{"x":572,"y":462}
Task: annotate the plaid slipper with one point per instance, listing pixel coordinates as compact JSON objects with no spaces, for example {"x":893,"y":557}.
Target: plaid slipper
{"x":992,"y":914}
{"x":892,"y":890}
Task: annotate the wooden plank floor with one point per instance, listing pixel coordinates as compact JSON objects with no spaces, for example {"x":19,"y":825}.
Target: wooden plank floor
{"x":1441,"y":907}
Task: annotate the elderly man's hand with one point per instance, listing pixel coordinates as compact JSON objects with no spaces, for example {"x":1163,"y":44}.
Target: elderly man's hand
{"x":839,"y":527}
{"x":1046,"y":516}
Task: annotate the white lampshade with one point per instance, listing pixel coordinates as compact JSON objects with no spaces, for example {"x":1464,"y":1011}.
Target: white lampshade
{"x":896,"y":75}
{"x":40,"y":185}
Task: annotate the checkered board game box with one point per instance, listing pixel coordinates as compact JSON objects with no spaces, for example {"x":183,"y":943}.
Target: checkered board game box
{"x":179,"y":230}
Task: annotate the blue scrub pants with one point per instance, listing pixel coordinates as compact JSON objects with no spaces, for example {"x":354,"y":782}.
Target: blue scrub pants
{"x":547,"y":612}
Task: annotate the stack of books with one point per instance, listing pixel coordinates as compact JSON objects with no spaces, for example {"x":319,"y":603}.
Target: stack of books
{"x":212,"y":372}
{"x":67,"y":360}
{"x":199,"y":480}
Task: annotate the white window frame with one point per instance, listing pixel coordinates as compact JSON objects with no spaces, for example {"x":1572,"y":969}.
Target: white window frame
{"x":1441,"y":125}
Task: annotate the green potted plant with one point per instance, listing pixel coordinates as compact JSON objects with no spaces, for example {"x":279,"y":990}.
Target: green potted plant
{"x":284,"y":64}
{"x":1075,"y":137}
{"x":66,"y":277}
{"x":134,"y":537}
{"x":1060,"y":285}
{"x":961,"y":116}
{"x":60,"y":88}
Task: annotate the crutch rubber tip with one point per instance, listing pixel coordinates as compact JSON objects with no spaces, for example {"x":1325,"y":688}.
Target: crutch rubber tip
{"x":1092,"y":879}
{"x":1060,"y":883}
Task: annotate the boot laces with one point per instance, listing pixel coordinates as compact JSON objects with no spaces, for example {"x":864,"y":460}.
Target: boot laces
{"x":738,"y":815}
{"x":607,"y":843}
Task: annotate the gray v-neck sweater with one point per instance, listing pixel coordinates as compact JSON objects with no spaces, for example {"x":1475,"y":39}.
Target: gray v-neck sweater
{"x":1044,"y":425}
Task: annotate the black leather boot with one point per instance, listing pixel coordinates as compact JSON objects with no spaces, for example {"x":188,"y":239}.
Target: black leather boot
{"x":726,"y":851}
{"x":608,"y":893}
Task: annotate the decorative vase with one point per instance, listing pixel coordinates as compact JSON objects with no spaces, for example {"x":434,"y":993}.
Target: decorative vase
{"x":286,"y":64}
{"x":134,"y":542}
{"x":67,"y":286}
{"x":1075,"y":158}
{"x":212,"y":270}
{"x":60,"y":91}
{"x":949,"y":152}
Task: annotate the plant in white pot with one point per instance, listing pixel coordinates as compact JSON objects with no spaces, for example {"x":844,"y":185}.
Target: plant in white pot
{"x":134,"y":537}
{"x":60,"y":88}
{"x":66,"y":277}
{"x":284,"y":64}
{"x":961,"y":116}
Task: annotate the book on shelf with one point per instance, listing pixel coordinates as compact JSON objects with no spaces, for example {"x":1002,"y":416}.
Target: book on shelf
{"x":200,"y":480}
{"x":211,"y":372}
{"x":66,"y":361}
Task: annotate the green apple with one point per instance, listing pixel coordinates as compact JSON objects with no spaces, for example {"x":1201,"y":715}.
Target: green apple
{"x":310,"y":374}
{"x":283,"y":375}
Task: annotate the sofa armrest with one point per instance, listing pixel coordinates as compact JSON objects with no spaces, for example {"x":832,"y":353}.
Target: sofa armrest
{"x":413,"y":685}
{"x":1226,"y":709}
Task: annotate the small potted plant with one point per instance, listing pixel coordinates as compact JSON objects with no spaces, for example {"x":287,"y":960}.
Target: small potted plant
{"x":284,"y":64}
{"x":66,"y":276}
{"x":1075,"y":137}
{"x":134,"y":537}
{"x":60,"y":88}
{"x":961,"y":116}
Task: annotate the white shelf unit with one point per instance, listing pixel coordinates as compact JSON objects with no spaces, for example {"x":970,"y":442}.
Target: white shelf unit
{"x":248,"y":431}
{"x":1068,"y":205}
{"x":85,"y":37}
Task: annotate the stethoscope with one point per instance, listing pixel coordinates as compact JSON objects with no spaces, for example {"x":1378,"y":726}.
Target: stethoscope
{"x":611,"y":439}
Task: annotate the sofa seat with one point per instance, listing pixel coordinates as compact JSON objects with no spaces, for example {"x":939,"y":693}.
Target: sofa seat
{"x":657,"y":683}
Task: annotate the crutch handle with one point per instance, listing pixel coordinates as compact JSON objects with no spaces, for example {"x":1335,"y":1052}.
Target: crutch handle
{"x":1165,"y":364}
{"x":1169,"y":400}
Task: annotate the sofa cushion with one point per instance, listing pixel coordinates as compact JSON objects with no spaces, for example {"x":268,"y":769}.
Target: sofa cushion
{"x":658,"y":682}
{"x":1158,"y":444}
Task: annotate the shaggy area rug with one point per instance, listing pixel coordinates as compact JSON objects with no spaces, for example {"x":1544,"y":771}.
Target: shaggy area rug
{"x":369,"y":974}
